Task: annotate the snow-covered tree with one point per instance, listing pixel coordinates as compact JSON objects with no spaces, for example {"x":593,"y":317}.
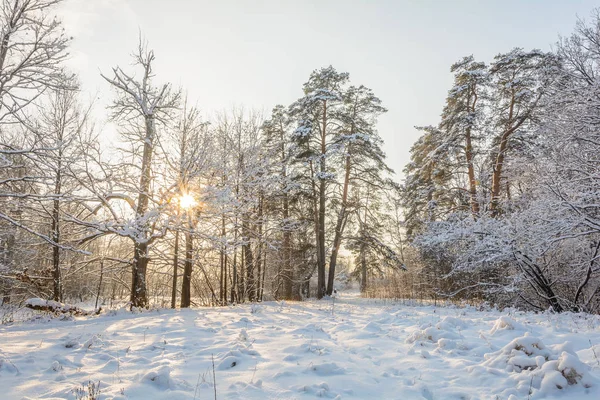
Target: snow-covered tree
{"x":318,"y":122}
{"x":140,"y":108}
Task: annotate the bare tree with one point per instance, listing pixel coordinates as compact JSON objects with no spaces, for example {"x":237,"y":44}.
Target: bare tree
{"x":32,"y":48}
{"x":139,"y":101}
{"x":189,"y":160}
{"x":59,"y":129}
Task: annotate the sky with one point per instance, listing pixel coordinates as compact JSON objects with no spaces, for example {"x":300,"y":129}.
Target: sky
{"x":257,"y":54}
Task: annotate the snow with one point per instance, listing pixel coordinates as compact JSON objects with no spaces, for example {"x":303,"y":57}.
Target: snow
{"x":357,"y":349}
{"x":37,"y":302}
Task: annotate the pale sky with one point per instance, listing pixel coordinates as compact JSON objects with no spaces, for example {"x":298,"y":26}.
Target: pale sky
{"x":259,"y":53}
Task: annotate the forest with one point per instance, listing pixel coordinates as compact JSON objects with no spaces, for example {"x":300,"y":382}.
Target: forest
{"x":499,"y":205}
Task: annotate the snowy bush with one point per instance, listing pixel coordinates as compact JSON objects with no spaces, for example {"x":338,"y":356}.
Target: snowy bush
{"x":505,"y":323}
{"x":539,"y":367}
{"x":526,"y":352}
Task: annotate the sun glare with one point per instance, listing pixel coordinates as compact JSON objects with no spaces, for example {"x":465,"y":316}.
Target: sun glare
{"x":187,"y":201}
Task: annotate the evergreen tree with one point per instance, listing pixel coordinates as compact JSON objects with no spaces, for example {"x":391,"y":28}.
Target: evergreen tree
{"x":317,"y":116}
{"x":362,"y":158}
{"x":461,"y":119}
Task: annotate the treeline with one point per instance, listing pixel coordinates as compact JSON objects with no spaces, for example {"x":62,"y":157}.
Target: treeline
{"x":502,"y":196}
{"x":180,"y":209}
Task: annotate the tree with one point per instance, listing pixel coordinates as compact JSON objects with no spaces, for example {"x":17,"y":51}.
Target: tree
{"x":60,"y":130}
{"x":142,"y":106}
{"x":33,"y":47}
{"x":316,"y":116}
{"x":277,"y":139}
{"x":462,"y":115}
{"x":188,"y":160}
{"x":519,"y":81}
{"x":427,"y":193}
{"x":363,"y":158}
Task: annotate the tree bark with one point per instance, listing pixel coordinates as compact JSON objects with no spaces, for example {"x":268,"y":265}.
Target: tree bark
{"x":138,"y":281}
{"x":56,"y":278}
{"x":140,"y":260}
{"x":363,"y":268}
{"x":259,"y":249}
{"x":339,"y":228}
{"x":471,"y":173}
{"x":175,"y":270}
{"x":248,"y":261}
{"x":288,"y":274}
{"x":186,"y":287}
{"x":321,"y":289}
{"x":512,"y":126}
{"x":234,"y":288}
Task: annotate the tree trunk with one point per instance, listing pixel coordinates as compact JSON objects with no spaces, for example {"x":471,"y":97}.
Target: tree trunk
{"x":225,"y":280}
{"x":56,"y":278}
{"x":264,"y":273}
{"x":234,"y":285}
{"x":471,"y":174}
{"x":175,"y":270}
{"x":315,"y":205}
{"x":321,"y":242}
{"x":363,"y":268}
{"x":497,"y":176}
{"x":288,"y":274}
{"x":222,"y":291}
{"x":186,"y":287}
{"x":99,"y":284}
{"x":259,"y":250}
{"x":339,"y":228}
{"x":498,"y":164}
{"x":248,"y":261}
{"x":138,"y":283}
{"x":242,"y":289}
{"x":140,"y":260}
{"x":469,"y":158}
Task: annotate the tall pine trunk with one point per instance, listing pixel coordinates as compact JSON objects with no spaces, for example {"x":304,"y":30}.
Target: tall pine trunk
{"x":321,"y":289}
{"x":339,"y":228}
{"x":512,"y":126}
{"x":288,"y":274}
{"x":471,"y":174}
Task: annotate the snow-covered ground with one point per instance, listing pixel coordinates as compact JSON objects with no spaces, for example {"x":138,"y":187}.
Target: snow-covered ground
{"x":359,"y":349}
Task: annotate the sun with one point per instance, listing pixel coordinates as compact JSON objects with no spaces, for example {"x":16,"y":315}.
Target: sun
{"x":187,"y":201}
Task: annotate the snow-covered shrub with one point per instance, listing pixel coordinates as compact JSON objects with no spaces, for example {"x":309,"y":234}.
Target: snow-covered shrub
{"x":505,"y":323}
{"x":522,"y":353}
{"x":432,"y":334}
{"x":539,"y":367}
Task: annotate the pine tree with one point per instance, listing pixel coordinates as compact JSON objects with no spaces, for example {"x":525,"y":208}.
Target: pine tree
{"x":317,"y":118}
{"x":462,"y":116}
{"x":362,"y":157}
{"x":519,"y":81}
{"x":427,"y":193}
